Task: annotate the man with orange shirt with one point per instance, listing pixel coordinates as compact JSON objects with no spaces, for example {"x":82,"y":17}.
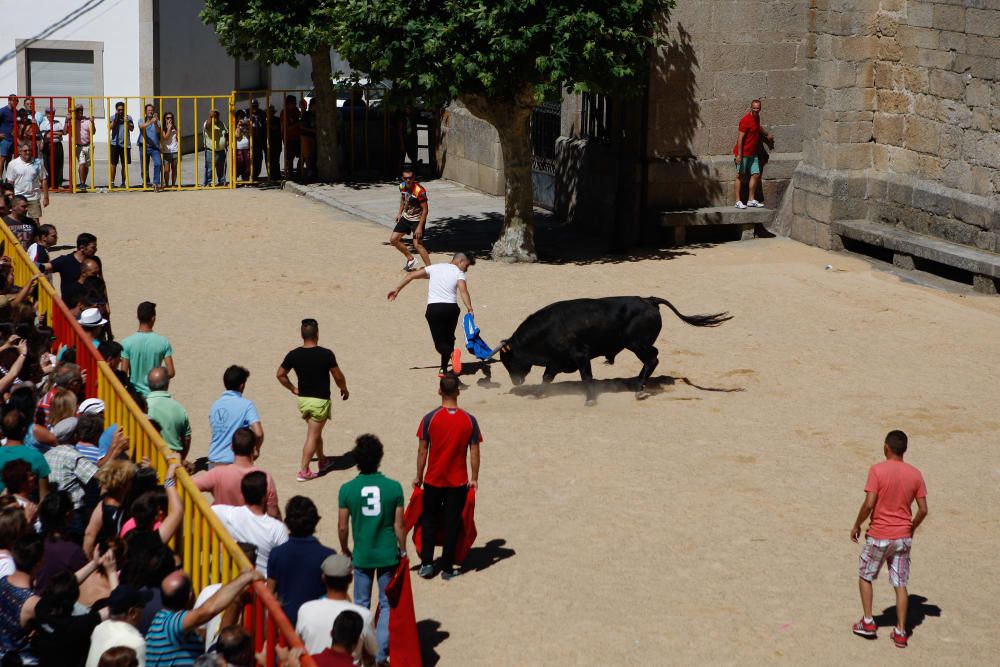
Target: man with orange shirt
{"x":447,"y":434}
{"x":891,"y":488}
{"x":411,"y":218}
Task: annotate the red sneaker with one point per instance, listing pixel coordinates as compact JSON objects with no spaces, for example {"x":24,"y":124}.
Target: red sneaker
{"x":867,"y":630}
{"x":456,"y":361}
{"x":899,"y":638}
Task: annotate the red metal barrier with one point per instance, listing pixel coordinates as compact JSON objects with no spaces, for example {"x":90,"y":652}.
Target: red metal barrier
{"x":49,"y":135}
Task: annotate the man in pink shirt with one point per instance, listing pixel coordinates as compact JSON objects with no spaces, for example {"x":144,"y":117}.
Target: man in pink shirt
{"x":223,"y":481}
{"x":891,"y":488}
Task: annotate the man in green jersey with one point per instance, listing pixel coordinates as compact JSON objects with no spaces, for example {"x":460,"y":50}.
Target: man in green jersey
{"x":372,"y":504}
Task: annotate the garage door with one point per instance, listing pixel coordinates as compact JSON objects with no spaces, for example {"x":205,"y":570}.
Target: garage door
{"x":62,"y":72}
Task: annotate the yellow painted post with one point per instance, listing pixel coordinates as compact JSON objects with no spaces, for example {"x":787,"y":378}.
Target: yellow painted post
{"x":187,"y":523}
{"x":232,"y":146}
{"x":127,"y":149}
{"x":107,"y":114}
{"x":194,"y":105}
{"x":212,"y":151}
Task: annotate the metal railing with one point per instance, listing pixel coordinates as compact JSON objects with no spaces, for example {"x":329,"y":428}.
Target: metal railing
{"x":209,"y":554}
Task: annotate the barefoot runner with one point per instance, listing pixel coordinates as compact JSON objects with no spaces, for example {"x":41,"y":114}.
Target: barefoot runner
{"x":313,"y":366}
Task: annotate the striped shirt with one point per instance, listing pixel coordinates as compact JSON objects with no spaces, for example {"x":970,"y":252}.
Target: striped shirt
{"x":167,"y":645}
{"x":90,"y":452}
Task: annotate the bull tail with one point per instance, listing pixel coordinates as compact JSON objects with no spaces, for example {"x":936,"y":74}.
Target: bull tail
{"x":713,"y":320}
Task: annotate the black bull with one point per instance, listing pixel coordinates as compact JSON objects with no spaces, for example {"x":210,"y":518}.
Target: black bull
{"x":564,"y":336}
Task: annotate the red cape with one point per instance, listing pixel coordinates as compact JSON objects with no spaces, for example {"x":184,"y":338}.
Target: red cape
{"x":466,"y":535}
{"x":404,"y":642}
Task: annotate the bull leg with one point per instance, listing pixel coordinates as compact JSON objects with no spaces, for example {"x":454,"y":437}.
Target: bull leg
{"x":650,"y":359}
{"x":609,"y":359}
{"x":549,"y":375}
{"x":588,"y":380}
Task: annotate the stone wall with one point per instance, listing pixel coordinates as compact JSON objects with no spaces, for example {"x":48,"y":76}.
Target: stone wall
{"x":719,"y":56}
{"x":469,"y":151}
{"x":903,"y":108}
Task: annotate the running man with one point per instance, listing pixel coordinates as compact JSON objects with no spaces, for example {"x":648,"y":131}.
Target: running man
{"x":313,"y":366}
{"x":891,"y":488}
{"x":447,"y":282}
{"x":411,"y":219}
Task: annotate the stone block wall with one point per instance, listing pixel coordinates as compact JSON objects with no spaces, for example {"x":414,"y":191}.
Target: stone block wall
{"x":719,"y":56}
{"x":470,"y":151}
{"x":902,"y":113}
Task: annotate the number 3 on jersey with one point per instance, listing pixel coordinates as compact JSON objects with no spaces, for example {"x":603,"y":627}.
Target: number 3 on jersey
{"x":373,"y":501}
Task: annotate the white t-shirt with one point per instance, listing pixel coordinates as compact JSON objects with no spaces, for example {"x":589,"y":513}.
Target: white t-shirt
{"x":316,"y":621}
{"x":109,"y":634}
{"x":444,"y":282}
{"x":213,"y":627}
{"x":7,"y":566}
{"x":27,"y":177}
{"x":262,"y":531}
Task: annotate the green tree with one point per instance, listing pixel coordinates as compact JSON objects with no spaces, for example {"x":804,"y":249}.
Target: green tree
{"x":498,"y":57}
{"x":276,"y":33}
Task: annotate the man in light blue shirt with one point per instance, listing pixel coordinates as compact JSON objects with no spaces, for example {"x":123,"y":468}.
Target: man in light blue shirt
{"x":230,"y":412}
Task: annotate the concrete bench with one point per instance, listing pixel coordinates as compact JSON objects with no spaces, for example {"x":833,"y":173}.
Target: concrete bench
{"x":905,"y":245}
{"x":678,"y":221}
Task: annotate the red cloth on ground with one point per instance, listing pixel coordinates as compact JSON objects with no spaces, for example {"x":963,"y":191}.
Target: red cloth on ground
{"x":404,"y":642}
{"x":466,"y":534}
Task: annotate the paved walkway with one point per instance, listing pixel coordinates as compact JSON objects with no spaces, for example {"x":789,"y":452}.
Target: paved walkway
{"x":460,"y":219}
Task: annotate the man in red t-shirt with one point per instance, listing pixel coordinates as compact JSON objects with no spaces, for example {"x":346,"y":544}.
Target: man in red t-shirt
{"x":446,"y":435}
{"x":745,"y":154}
{"x":891,"y":488}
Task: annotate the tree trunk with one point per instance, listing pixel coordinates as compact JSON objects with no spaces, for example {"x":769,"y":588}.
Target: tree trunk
{"x":326,"y":114}
{"x":512,"y":119}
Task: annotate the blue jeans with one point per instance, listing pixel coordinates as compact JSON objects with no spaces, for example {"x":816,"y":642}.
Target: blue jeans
{"x":220,"y":167}
{"x":152,"y":155}
{"x":363,"y":597}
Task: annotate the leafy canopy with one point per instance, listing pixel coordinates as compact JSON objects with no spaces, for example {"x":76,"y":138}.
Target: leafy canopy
{"x":440,"y":49}
{"x":273,"y":31}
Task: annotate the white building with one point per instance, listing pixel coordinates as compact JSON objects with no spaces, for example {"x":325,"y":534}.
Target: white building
{"x":125,"y":49}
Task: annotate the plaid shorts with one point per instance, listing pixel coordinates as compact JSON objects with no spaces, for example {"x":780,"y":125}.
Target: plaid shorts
{"x":875,"y":552}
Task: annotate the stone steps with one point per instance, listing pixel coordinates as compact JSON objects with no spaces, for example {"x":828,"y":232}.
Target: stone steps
{"x":678,"y":221}
{"x":906,"y":245}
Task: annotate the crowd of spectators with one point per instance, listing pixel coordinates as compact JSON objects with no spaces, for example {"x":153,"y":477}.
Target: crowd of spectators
{"x":87,"y":572}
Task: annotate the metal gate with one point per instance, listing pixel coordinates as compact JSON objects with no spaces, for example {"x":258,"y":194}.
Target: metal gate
{"x":546,"y":125}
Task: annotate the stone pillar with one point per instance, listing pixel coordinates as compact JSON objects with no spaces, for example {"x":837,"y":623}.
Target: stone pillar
{"x":829,"y":184}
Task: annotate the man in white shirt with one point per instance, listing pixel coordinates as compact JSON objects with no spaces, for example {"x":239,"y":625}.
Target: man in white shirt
{"x":316,"y":618}
{"x":30,"y":179}
{"x":447,"y":283}
{"x":250,"y":522}
{"x":125,"y":606}
{"x":52,"y":128}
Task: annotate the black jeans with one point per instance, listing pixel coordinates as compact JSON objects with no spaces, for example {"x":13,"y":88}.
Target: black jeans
{"x":442,"y":318}
{"x":443,"y":507}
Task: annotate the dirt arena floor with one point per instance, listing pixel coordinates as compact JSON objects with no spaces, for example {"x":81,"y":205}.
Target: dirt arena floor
{"x":707,"y":524}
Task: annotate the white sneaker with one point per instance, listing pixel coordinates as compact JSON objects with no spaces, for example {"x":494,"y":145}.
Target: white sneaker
{"x":753,"y":203}
{"x":740,"y":204}
{"x":411,"y":264}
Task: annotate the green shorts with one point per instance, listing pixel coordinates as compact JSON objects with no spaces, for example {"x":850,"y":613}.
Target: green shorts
{"x":316,"y":409}
{"x":748,"y":165}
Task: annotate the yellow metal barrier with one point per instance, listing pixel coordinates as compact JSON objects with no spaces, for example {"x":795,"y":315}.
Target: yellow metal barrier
{"x":198,"y":142}
{"x":209,"y":554}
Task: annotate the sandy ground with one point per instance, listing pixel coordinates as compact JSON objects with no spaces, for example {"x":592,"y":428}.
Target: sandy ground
{"x":707,"y":524}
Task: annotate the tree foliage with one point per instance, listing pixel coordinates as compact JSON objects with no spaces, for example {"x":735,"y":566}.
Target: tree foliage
{"x":500,"y":57}
{"x":277,"y":33}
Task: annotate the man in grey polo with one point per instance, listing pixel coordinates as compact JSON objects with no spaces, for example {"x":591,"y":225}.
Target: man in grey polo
{"x":175,"y":427}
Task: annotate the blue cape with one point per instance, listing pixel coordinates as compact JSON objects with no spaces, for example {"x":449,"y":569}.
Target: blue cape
{"x":473,"y":342}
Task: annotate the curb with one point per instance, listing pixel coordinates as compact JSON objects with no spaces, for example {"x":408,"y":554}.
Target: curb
{"x":310,"y":193}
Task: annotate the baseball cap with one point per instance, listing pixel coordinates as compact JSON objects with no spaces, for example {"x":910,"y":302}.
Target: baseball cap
{"x":337,"y":565}
{"x":127,"y":597}
{"x":65,"y":430}
{"x":91,"y":406}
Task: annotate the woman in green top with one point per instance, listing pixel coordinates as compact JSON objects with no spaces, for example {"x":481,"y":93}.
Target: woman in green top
{"x":215,"y":139}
